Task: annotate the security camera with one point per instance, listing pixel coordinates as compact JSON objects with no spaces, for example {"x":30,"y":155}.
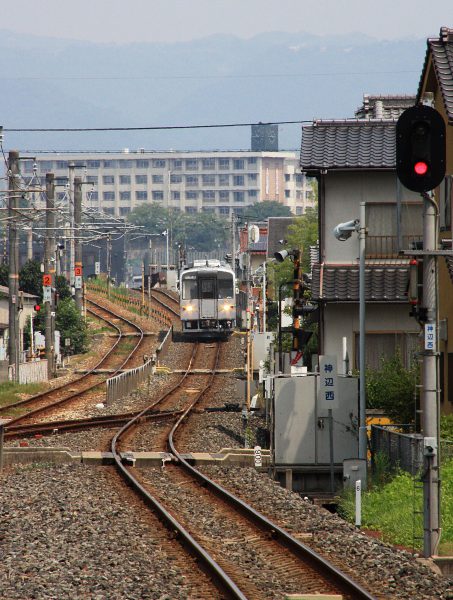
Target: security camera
{"x":343,"y":231}
{"x":281,"y":255}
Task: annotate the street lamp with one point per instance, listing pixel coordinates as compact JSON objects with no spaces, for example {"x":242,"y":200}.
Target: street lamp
{"x":343,"y":232}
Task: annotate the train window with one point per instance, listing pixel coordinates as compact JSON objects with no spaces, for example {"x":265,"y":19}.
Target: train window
{"x":225,"y":286}
{"x":207,"y":289}
{"x":189,"y":288}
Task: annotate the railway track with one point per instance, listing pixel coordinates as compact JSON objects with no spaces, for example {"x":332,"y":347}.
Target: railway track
{"x":116,"y":359}
{"x":286,"y":558}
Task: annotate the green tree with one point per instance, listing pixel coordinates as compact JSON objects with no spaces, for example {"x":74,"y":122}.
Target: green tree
{"x":30,"y":278}
{"x":202,"y":231}
{"x":70,"y":323}
{"x":4,"y":275}
{"x":393,"y":388}
{"x":62,"y":287}
{"x":261,"y":211}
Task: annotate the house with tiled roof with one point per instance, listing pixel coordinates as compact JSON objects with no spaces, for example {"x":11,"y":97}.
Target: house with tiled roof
{"x":436,"y":88}
{"x":353,"y":161}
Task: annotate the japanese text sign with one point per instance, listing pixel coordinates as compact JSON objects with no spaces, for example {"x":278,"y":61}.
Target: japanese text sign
{"x":328,"y":385}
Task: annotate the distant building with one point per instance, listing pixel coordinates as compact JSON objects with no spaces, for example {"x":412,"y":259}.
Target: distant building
{"x":264,"y":138}
{"x":219,"y":182}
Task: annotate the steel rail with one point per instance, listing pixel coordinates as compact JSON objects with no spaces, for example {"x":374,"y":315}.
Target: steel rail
{"x":223,"y":580}
{"x":72,"y":383}
{"x":345,"y":583}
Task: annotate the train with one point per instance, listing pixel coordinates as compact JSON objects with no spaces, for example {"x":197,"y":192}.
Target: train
{"x":207,"y":292}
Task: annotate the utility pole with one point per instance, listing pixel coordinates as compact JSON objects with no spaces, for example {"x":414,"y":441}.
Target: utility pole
{"x":429,"y":400}
{"x":49,"y":274}
{"x":78,"y":270}
{"x":109,"y":259}
{"x":13,"y":276}
{"x":71,"y":227}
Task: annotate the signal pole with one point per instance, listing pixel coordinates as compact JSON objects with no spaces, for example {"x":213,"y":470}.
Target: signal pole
{"x":49,"y":267}
{"x":13,"y":277}
{"x":77,"y":242}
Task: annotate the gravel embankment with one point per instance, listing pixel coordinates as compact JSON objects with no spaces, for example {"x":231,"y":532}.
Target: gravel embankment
{"x":66,"y":533}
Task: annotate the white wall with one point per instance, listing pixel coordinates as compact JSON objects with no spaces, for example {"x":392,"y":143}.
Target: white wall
{"x":344,"y":192}
{"x":342,"y":320}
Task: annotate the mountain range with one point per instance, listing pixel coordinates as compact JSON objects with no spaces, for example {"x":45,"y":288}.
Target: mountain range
{"x":58,"y":83}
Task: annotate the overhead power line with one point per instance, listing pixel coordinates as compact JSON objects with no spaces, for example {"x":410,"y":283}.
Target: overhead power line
{"x":151,"y":127}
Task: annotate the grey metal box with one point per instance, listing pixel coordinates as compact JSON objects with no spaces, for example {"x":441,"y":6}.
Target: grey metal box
{"x":301,"y":428}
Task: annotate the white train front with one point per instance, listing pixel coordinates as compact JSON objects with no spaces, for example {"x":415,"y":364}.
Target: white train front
{"x":207,"y":299}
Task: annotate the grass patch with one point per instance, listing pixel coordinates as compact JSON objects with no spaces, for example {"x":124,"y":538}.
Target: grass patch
{"x":389,"y":509}
{"x":11,"y":392}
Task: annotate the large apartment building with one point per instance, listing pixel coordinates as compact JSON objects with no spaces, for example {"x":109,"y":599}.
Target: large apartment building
{"x":214,"y":181}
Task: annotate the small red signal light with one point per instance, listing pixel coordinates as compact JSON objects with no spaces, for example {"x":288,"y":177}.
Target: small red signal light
{"x":37,"y":307}
{"x":420,"y":168}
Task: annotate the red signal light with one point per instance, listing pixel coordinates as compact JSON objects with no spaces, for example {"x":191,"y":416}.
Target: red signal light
{"x":420,"y":168}
{"x":37,"y":307}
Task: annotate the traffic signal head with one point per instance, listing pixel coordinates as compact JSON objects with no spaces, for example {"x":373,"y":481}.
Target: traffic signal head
{"x":37,"y":307}
{"x":420,"y":148}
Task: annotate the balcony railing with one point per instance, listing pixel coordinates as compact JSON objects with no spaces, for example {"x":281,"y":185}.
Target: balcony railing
{"x":386,"y":246}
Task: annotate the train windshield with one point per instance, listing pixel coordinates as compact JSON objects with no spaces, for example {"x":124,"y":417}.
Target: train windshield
{"x":189,"y":287}
{"x":225,"y":285}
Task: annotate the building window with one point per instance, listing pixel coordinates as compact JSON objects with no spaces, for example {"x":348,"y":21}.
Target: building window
{"x":125,"y":195}
{"x":252,"y":177}
{"x":93,"y":196}
{"x":287,"y":177}
{"x":158,"y":196}
{"x":124,"y":210}
{"x":125,"y":179}
{"x":108,"y":196}
{"x":208,"y":209}
{"x":62,"y":164}
{"x":224,"y":195}
{"x":46,"y":166}
{"x":208,"y":196}
{"x":158,"y":163}
{"x":109,"y":164}
{"x":299,"y":210}
{"x":252,"y":160}
{"x":176,"y":164}
{"x":92,"y":179}
{"x":191,"y":195}
{"x":191,"y":209}
{"x":208,"y":163}
{"x":93,"y":164}
{"x":176,"y":195}
{"x":27,"y":166}
{"x":175,"y":178}
{"x":299,"y":178}
{"x":208,"y":179}
{"x":108,"y":179}
{"x":61,"y":195}
{"x":156,"y":178}
{"x":192,"y":180}
{"x":238,"y":164}
{"x":191,"y":164}
{"x":253,"y":193}
{"x":224,"y":210}
{"x":141,"y":179}
{"x":224,"y":180}
{"x":287,"y":194}
{"x":142,"y":164}
{"x":238,"y":196}
{"x":124,"y":163}
{"x":224,"y":164}
{"x":238,"y":210}
{"x":141,"y":195}
{"x":109,"y":211}
{"x":238,"y":179}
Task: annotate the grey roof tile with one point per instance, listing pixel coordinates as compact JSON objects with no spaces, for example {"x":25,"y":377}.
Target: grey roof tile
{"x":353,"y":144}
{"x":441,"y":51}
{"x":384,"y":107}
{"x":333,"y":283}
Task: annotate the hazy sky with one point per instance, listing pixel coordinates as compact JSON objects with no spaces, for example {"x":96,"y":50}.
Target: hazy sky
{"x":125,"y":21}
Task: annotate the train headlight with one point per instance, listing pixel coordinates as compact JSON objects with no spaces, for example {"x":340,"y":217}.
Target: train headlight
{"x":227,"y":307}
{"x":189,"y":308}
